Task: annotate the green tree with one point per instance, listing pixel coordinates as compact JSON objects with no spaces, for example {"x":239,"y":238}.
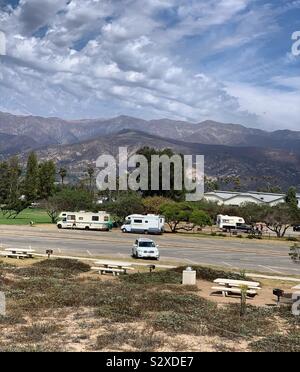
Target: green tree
{"x":177,"y":195}
{"x":295,"y":253}
{"x":279,"y":218}
{"x":63,"y":174}
{"x":200,"y":219}
{"x":4,"y":182}
{"x":73,"y":200}
{"x":153,"y":204}
{"x":91,"y":175}
{"x":14,"y":180}
{"x":46,"y":179}
{"x":31,"y":178}
{"x":124,"y":206}
{"x":291,"y":197}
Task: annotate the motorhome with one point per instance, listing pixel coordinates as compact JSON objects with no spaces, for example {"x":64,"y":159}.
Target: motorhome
{"x":144,"y":224}
{"x":85,"y":221}
{"x":229,"y":222}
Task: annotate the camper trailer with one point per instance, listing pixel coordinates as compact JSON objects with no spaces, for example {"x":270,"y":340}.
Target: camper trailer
{"x":85,"y":221}
{"x":229,"y":222}
{"x":144,"y":224}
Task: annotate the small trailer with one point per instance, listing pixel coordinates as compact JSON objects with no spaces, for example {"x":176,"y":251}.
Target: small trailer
{"x":229,"y":222}
{"x":85,"y":221}
{"x":144,"y":224}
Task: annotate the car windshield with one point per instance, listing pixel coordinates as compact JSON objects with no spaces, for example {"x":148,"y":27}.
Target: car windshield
{"x":147,"y":244}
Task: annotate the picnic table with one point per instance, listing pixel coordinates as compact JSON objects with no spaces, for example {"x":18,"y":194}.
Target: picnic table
{"x":297,"y":288}
{"x":227,"y":286}
{"x":115,"y":268}
{"x":19,"y":253}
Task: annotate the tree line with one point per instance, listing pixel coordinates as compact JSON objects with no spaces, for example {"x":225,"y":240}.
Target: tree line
{"x":38,"y":182}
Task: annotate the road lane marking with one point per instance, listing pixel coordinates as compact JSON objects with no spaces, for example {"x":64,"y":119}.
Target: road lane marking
{"x":272,"y":270}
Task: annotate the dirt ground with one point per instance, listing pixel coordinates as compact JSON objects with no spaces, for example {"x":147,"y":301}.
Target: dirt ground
{"x":265,"y":295}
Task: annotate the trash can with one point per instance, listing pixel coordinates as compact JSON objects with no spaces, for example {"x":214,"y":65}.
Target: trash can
{"x":189,"y":276}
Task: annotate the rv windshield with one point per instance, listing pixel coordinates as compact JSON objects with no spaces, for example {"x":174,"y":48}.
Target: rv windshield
{"x":128,"y":222}
{"x":147,"y":244}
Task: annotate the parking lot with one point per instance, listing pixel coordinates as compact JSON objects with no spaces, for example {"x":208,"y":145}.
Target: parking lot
{"x":264,"y":256}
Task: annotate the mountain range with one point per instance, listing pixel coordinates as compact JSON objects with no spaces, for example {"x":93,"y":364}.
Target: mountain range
{"x":229,"y":149}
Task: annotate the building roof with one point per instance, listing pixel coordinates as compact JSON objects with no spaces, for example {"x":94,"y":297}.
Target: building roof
{"x":259,"y":196}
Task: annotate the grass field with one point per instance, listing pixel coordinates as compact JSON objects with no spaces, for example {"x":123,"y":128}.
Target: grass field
{"x":36,"y":215}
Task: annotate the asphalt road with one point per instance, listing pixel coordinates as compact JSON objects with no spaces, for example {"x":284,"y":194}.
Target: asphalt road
{"x":268,"y":257}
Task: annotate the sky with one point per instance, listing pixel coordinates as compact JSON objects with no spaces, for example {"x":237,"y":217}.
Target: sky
{"x":224,"y":60}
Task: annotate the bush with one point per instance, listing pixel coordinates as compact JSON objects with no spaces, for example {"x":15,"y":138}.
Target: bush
{"x":207,"y":273}
{"x":292,"y":239}
{"x":158,"y":277}
{"x":278,"y":343}
{"x":74,"y":266}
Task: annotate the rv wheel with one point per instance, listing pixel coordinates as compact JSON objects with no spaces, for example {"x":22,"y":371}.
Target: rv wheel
{"x":59,"y":226}
{"x":87,"y":228}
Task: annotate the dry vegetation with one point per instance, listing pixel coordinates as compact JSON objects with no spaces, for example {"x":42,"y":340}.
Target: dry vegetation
{"x":58,"y":305}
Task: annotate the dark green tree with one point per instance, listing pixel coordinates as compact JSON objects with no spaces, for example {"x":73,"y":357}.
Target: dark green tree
{"x":63,"y":174}
{"x":125,"y":205}
{"x":46,"y":179}
{"x":291,"y":197}
{"x":31,"y":178}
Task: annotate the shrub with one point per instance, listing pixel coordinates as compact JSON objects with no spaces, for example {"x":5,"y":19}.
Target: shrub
{"x":278,"y":343}
{"x":292,"y":239}
{"x":74,"y":266}
{"x":158,"y":277}
{"x":210,"y":274}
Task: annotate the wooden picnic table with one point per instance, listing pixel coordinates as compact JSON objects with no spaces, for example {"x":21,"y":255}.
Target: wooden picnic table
{"x":112,"y":267}
{"x":297,"y":288}
{"x":238,"y":283}
{"x":234,"y":286}
{"x":19,"y":253}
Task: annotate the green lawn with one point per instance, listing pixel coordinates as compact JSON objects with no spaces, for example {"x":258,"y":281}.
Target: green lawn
{"x":24,"y":218}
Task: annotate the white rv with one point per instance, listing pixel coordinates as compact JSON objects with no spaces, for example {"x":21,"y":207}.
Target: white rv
{"x":229,"y":222}
{"x":85,"y":221}
{"x":144,"y":224}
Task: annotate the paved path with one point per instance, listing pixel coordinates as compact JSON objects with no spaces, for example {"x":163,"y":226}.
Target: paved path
{"x":268,"y":257}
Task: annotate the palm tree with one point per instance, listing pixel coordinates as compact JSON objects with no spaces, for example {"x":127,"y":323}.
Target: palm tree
{"x":63,"y":174}
{"x":90,"y":171}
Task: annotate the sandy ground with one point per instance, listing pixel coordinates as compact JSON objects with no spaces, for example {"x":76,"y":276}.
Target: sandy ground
{"x":265,"y":295}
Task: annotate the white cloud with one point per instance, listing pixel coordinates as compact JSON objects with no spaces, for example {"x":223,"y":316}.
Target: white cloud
{"x":103,"y":57}
{"x":275,"y":108}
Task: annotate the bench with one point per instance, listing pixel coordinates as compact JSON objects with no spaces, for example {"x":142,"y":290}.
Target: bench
{"x":106,"y":270}
{"x":237,"y":283}
{"x":226,"y":290}
{"x":117,"y":266}
{"x":27,"y":253}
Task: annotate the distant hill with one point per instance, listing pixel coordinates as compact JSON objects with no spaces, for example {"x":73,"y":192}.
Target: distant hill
{"x":251,"y":164}
{"x":10,"y":144}
{"x":51,"y":131}
{"x":230,"y":149}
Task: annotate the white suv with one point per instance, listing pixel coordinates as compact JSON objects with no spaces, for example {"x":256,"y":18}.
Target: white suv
{"x":145,"y":248}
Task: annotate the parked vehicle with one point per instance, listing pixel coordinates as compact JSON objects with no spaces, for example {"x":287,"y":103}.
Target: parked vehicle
{"x":85,"y":221}
{"x":145,"y":248}
{"x":296,"y":228}
{"x":144,"y":224}
{"x":245,"y":228}
{"x":228,"y":223}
